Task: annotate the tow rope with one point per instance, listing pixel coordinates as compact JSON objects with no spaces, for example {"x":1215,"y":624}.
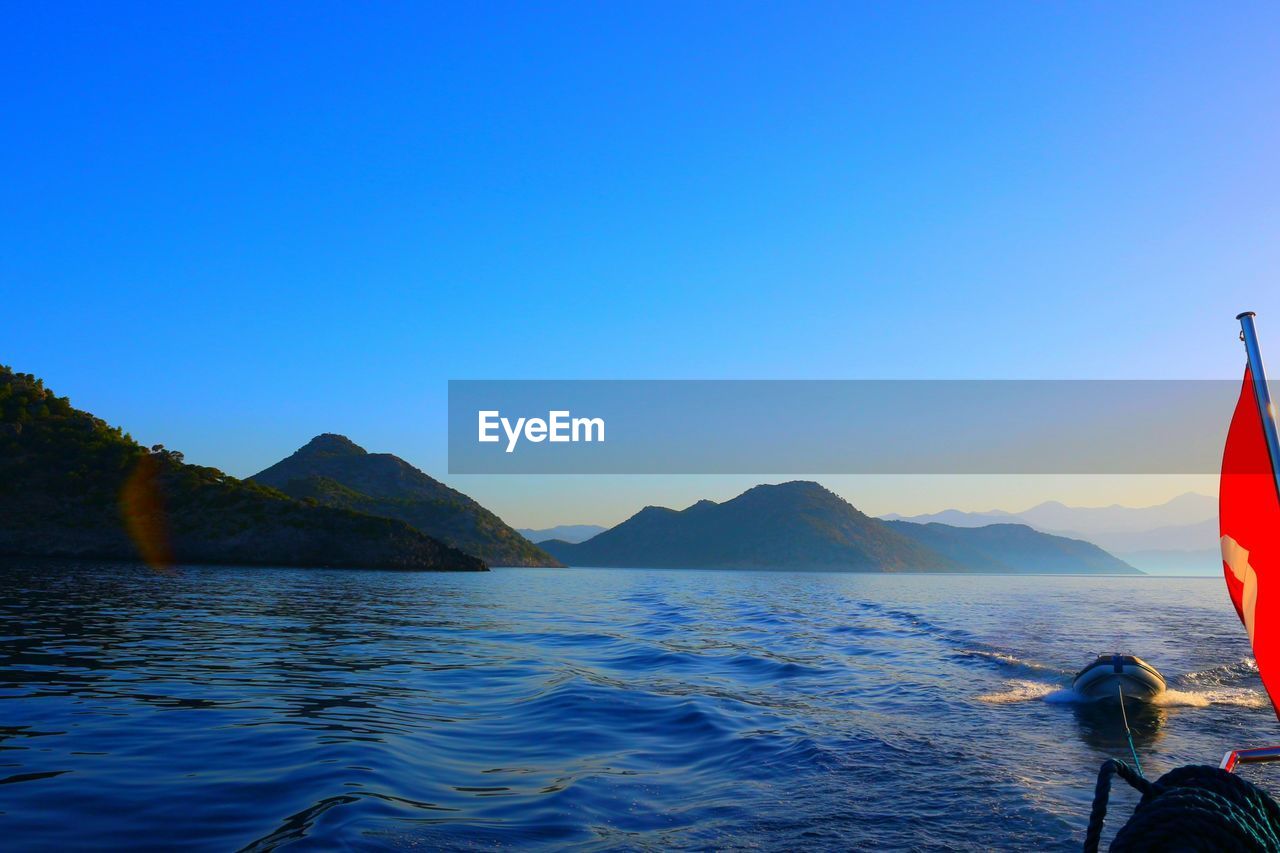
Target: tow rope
{"x":1124,"y":716}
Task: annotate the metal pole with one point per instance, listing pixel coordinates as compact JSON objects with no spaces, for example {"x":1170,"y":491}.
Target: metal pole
{"x":1249,"y":756}
{"x":1261,"y":392}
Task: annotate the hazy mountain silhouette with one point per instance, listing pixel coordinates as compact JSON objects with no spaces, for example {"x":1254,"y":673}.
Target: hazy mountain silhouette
{"x":801,"y":525}
{"x":564,"y":532}
{"x":1013,"y":548}
{"x":335,"y":471}
{"x":1179,"y":535}
{"x":1186,"y":509}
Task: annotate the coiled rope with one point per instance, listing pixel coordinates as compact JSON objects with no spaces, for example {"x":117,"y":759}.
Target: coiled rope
{"x":1193,"y":808}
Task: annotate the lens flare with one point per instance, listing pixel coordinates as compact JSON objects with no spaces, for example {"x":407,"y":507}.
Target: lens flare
{"x":142,"y":508}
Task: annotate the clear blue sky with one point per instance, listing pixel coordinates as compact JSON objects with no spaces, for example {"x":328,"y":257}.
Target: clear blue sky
{"x":230,"y":227}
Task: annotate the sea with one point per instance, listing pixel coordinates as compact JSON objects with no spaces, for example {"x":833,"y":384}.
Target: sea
{"x":203,"y":708}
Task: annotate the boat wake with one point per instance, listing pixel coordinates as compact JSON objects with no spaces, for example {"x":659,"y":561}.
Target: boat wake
{"x":1224,"y":685}
{"x":1014,"y":662}
{"x":1241,"y":697}
{"x":1020,"y":690}
{"x":1215,"y":686}
{"x":1223,"y":674}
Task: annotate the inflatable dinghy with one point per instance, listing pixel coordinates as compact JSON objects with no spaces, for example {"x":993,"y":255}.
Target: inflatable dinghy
{"x":1111,"y":676}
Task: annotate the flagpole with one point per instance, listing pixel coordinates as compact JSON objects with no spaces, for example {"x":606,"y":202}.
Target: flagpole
{"x":1260,"y":392}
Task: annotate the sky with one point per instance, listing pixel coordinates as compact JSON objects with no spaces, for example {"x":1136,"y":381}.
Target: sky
{"x":230,"y":227}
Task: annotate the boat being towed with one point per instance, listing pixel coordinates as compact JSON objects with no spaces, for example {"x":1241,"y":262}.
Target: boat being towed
{"x":1117,"y":676}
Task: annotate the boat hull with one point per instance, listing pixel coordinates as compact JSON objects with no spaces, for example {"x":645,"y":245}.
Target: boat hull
{"x":1111,"y":676}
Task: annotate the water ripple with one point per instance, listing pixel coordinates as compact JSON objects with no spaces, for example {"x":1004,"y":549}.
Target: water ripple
{"x":592,"y":709}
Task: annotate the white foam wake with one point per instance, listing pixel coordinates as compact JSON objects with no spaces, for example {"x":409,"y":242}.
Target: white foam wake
{"x":1238,"y":696}
{"x":1021,"y":690}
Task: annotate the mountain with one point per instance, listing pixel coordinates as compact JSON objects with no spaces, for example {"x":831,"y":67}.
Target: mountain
{"x":958,"y":518}
{"x":71,"y":486}
{"x":792,"y":525}
{"x":564,"y":532}
{"x":332,"y":470}
{"x":1200,"y":536}
{"x":1013,"y":548}
{"x":1184,"y":510}
{"x":1188,"y":508}
{"x":801,"y":525}
{"x":1178,"y":536}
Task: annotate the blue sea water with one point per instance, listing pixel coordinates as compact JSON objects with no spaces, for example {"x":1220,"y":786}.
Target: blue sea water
{"x":228,"y":708}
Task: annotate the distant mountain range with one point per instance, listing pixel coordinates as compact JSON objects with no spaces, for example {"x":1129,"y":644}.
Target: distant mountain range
{"x":1179,"y":536}
{"x":1189,"y":508}
{"x":72,"y":486}
{"x":332,"y":470}
{"x":563,"y":532}
{"x":801,"y":525}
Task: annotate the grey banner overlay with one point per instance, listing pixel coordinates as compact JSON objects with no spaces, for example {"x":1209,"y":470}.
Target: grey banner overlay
{"x":848,"y":426}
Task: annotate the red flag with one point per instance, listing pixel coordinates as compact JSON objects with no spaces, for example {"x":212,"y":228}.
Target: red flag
{"x":1249,"y":524}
